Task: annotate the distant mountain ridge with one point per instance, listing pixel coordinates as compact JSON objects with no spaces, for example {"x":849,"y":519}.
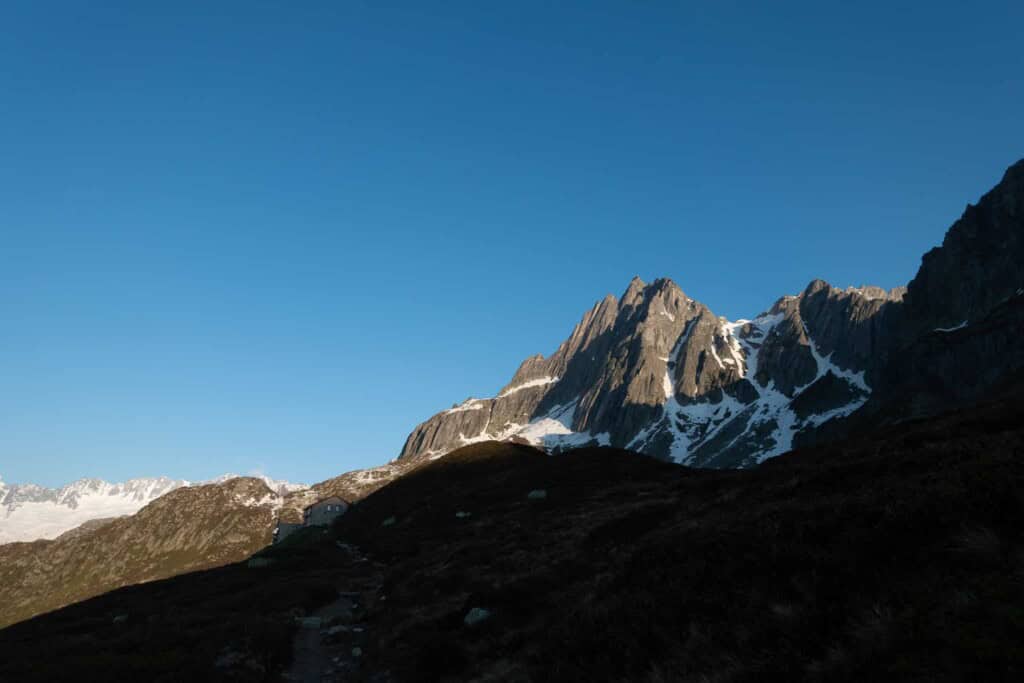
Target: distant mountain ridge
{"x":658,"y":372}
{"x":187,"y":528}
{"x":29,"y":512}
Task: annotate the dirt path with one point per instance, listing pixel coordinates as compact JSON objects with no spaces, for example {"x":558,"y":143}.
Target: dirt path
{"x":313,"y":659}
{"x":329,"y":643}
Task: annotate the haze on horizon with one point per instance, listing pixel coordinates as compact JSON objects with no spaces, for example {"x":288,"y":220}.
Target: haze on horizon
{"x":265,"y":238}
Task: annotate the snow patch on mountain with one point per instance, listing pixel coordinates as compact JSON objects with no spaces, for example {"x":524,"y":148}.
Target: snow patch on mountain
{"x":468,"y":404}
{"x":825,"y":365}
{"x":271,"y":500}
{"x":952,"y":329}
{"x":552,"y":431}
{"x":539,"y":382}
{"x":690,"y":425}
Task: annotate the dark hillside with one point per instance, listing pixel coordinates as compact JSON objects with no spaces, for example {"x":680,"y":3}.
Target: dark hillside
{"x":896,"y":556}
{"x":893,"y":557}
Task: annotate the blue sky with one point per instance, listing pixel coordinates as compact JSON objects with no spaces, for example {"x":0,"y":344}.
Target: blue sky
{"x":273,"y":237}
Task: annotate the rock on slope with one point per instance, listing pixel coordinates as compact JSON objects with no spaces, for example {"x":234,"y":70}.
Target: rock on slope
{"x":658,"y":372}
{"x":190,"y":528}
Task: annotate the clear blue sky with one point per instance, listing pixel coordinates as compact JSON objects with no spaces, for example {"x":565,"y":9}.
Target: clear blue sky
{"x":275,"y":236}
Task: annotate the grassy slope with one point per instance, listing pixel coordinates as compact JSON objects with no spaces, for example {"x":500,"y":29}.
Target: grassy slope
{"x":175,"y":629}
{"x":189,"y":529}
{"x":897,"y":556}
{"x":894,"y":557}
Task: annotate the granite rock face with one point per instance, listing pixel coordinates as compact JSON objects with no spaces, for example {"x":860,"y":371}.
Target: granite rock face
{"x":958,"y":332}
{"x":657,"y":372}
{"x":978,"y":267}
{"x":950,"y":368}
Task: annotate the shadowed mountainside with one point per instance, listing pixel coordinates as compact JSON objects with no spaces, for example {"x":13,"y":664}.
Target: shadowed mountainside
{"x":895,"y":556}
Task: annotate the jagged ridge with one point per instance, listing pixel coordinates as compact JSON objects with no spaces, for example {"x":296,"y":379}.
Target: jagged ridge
{"x":658,"y":372}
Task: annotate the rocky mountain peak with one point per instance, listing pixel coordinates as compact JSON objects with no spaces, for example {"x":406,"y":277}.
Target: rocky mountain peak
{"x":635,"y":288}
{"x":814,"y":286}
{"x":659,"y":372}
{"x":1013,"y":182}
{"x":251,"y":487}
{"x":659,"y":294}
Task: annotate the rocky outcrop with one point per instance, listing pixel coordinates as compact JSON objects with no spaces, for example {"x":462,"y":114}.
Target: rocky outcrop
{"x":958,"y":331}
{"x":979,"y":266}
{"x":351,"y":486}
{"x":948,"y":368}
{"x":853,"y":325}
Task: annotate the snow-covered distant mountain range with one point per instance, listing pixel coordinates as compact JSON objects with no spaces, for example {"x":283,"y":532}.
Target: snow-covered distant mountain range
{"x":29,"y":512}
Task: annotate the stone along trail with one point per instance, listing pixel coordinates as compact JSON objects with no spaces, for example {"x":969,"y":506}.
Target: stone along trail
{"x":329,"y":644}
